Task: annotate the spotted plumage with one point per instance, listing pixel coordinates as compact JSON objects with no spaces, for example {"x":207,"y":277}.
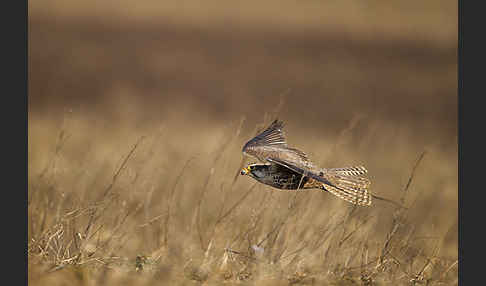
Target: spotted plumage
{"x":287,"y":168}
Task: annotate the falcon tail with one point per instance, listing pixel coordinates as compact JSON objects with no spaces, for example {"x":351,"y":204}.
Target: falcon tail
{"x":349,"y":185}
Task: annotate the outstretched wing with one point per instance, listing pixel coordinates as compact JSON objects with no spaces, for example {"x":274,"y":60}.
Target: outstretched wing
{"x":272,"y":136}
{"x":271,"y":144}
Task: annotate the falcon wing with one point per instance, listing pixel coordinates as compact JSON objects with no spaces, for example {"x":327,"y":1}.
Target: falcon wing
{"x":272,"y":136}
{"x":271,"y":143}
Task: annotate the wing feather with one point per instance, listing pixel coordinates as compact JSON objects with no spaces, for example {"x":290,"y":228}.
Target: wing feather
{"x":271,"y":143}
{"x":273,"y":135}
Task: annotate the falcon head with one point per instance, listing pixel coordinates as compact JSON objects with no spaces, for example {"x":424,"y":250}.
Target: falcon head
{"x":256,"y":170}
{"x":246,"y":170}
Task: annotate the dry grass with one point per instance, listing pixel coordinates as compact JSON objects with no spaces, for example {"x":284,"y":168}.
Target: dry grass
{"x":140,"y":216}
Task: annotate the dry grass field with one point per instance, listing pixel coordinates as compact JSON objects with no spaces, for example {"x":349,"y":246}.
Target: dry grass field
{"x":138,"y":113}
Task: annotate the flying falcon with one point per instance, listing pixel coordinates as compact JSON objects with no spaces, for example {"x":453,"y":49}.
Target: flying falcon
{"x":287,"y":168}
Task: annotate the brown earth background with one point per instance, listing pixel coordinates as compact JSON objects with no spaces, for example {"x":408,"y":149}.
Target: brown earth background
{"x":357,"y":82}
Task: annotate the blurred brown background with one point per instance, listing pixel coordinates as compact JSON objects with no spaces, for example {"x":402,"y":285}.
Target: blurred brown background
{"x":388,"y":59}
{"x":359,"y":82}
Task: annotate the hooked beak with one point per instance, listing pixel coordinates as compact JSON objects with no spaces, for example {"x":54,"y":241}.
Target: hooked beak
{"x":244,"y":171}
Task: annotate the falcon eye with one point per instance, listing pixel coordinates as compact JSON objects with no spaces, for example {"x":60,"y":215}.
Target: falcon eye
{"x":252,"y":167}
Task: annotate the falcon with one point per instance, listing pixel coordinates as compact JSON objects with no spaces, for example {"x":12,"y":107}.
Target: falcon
{"x":287,"y":168}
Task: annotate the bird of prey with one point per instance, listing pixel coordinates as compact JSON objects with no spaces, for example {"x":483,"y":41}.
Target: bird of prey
{"x":287,"y":168}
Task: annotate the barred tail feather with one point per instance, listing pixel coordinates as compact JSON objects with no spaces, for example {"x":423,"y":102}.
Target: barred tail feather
{"x":351,"y":171}
{"x":351,"y":188}
{"x":364,"y":200}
